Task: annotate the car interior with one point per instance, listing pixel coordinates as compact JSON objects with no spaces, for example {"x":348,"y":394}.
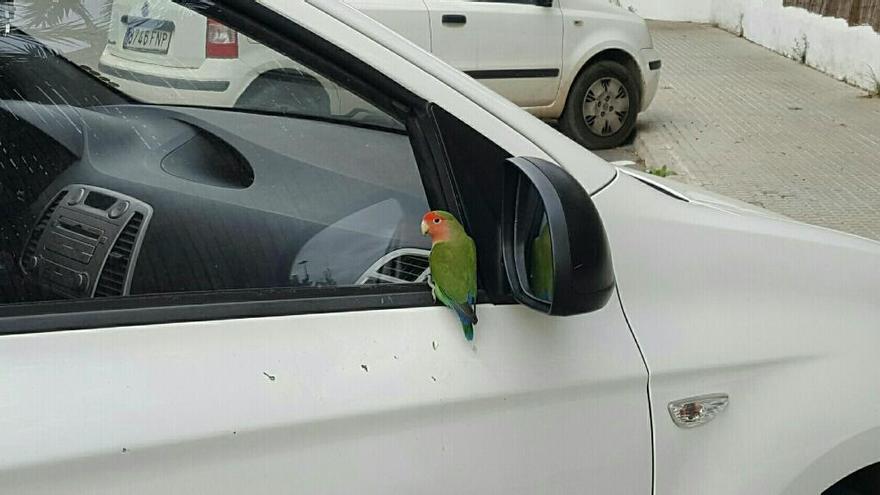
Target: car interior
{"x":102,"y":195}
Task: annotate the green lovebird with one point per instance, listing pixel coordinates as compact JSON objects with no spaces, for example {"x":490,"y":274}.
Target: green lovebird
{"x":453,"y":263}
{"x":541,"y":269}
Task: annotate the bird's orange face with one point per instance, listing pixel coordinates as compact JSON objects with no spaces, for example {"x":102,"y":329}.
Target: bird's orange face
{"x":435,"y":226}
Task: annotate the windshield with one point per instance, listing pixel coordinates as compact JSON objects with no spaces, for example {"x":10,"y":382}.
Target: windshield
{"x":159,"y":53}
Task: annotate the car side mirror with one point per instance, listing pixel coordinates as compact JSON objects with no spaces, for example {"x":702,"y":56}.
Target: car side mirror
{"x":555,"y":250}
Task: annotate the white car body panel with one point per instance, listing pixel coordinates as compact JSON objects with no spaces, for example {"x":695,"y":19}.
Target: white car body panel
{"x":699,"y":195}
{"x":502,"y":36}
{"x":650,"y":78}
{"x":779,"y":315}
{"x":409,"y":18}
{"x":370,"y":402}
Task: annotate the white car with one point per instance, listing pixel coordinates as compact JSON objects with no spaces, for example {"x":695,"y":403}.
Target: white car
{"x":587,"y":63}
{"x":203,"y":299}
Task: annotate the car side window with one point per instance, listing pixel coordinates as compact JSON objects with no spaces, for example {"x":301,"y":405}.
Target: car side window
{"x":141,"y":165}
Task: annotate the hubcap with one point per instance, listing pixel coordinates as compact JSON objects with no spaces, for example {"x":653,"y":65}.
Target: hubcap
{"x":606,"y":106}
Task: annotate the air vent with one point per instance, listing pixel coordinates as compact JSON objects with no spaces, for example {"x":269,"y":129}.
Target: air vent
{"x":405,"y":265}
{"x":406,"y":268}
{"x":113,"y":276}
{"x":30,"y":249}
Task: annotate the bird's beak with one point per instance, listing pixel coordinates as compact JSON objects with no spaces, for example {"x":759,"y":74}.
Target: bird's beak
{"x":424,"y":228}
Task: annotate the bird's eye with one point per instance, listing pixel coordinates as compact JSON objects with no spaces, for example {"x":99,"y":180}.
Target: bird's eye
{"x":436,"y":220}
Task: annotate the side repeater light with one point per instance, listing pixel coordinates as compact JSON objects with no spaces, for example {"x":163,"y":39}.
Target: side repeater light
{"x":697,"y":411}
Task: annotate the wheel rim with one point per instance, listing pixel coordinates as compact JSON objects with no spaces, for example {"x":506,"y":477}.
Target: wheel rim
{"x":605,"y":106}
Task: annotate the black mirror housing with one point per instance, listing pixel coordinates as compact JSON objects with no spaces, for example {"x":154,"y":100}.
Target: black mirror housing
{"x":555,"y":250}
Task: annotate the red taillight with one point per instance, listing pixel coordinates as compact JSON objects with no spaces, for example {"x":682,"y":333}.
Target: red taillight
{"x":220,"y":41}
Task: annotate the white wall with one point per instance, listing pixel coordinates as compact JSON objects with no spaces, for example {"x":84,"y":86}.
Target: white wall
{"x":845,"y":52}
{"x":832,"y":46}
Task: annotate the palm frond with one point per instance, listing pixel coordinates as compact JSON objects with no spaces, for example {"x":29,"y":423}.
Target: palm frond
{"x":63,"y":23}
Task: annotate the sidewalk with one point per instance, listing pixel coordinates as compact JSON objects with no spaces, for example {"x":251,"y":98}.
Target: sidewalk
{"x":745,"y":122}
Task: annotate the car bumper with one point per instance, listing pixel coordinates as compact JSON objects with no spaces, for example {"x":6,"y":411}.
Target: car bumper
{"x":169,"y":85}
{"x":651,"y":64}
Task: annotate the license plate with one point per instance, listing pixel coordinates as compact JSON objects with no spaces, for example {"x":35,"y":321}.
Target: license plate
{"x":148,"y":35}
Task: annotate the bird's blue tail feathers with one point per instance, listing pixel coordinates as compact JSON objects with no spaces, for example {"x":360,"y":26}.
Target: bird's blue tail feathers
{"x":467,"y":321}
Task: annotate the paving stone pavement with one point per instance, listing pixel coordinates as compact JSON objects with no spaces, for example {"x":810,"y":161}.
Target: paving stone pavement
{"x":740,"y":120}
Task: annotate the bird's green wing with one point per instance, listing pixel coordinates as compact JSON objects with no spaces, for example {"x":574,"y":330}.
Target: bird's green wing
{"x":454,"y":272}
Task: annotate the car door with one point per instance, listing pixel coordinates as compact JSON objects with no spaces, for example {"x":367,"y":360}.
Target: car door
{"x":513,"y":47}
{"x":409,"y":18}
{"x":262,"y":324}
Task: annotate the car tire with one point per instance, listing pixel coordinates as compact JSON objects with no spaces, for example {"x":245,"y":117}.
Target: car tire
{"x":286,"y":92}
{"x":590,"y":115}
{"x":842,"y":490}
{"x":862,"y":482}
